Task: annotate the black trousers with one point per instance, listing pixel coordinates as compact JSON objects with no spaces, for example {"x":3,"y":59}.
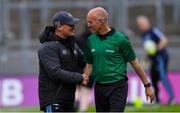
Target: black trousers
{"x":111,"y":97}
{"x":59,"y":108}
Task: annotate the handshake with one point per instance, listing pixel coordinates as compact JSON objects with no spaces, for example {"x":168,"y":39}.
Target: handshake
{"x":85,"y":79}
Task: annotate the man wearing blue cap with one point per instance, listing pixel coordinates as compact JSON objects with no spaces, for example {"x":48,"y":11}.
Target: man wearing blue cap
{"x":59,"y":57}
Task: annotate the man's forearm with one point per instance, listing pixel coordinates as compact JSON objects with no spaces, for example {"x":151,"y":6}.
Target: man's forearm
{"x":88,"y":69}
{"x":139,"y":70}
{"x":163,"y":43}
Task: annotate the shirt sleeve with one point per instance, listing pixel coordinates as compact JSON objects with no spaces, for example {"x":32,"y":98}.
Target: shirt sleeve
{"x":158,"y":33}
{"x":127,"y":50}
{"x":87,"y":54}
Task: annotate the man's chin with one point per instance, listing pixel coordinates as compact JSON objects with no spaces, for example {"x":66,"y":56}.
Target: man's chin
{"x":72,"y":34}
{"x":92,"y":31}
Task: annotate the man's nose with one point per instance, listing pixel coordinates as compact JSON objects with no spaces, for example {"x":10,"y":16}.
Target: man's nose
{"x":88,"y":25}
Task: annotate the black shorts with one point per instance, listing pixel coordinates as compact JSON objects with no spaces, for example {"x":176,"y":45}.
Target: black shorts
{"x":111,"y":97}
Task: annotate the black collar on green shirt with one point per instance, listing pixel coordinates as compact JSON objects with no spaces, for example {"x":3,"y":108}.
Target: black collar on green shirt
{"x":110,"y":33}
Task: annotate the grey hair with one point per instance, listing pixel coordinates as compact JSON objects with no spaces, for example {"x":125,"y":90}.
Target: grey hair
{"x":142,"y":17}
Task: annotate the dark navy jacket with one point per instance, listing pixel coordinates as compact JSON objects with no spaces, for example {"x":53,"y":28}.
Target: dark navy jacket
{"x":155,"y":35}
{"x":58,"y":72}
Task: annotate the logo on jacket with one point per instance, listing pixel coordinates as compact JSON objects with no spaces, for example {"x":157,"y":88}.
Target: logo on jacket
{"x":64,"y":52}
{"x":75,"y":52}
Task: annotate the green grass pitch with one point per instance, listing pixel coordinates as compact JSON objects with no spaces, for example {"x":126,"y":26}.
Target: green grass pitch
{"x":129,"y":108}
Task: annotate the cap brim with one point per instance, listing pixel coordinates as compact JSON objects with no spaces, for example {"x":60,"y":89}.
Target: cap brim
{"x":74,"y":21}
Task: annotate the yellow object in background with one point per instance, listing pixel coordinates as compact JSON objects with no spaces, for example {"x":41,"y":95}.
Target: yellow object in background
{"x":150,"y":47}
{"x":138,"y":103}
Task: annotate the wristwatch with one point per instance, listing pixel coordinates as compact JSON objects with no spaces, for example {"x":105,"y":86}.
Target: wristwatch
{"x":147,"y":85}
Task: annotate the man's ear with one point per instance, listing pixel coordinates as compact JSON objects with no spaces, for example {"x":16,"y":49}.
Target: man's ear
{"x":58,"y":27}
{"x":102,"y":21}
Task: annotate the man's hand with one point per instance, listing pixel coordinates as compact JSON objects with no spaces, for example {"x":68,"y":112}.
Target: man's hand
{"x":85,"y":79}
{"x":149,"y":94}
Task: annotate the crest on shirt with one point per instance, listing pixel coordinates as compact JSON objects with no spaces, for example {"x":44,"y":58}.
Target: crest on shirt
{"x":110,"y":51}
{"x":92,"y":50}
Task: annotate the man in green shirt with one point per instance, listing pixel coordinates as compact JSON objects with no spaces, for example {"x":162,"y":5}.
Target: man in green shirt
{"x":107,"y":55}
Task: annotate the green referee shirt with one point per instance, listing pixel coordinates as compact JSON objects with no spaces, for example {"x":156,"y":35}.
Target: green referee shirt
{"x":109,"y":56}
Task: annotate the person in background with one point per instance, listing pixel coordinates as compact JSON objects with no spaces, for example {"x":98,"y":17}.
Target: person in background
{"x":107,"y":54}
{"x":159,"y":59}
{"x":82,"y":92}
{"x":59,"y":57}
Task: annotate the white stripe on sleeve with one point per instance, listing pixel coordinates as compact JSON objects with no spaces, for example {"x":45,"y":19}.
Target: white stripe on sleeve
{"x":158,"y":33}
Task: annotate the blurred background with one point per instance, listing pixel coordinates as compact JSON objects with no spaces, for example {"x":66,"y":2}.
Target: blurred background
{"x":22,"y":20}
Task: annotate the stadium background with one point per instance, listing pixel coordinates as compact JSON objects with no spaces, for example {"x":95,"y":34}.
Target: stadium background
{"x":22,"y":20}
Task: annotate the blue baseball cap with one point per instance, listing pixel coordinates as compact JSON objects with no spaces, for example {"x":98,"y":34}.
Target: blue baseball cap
{"x":63,"y":17}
